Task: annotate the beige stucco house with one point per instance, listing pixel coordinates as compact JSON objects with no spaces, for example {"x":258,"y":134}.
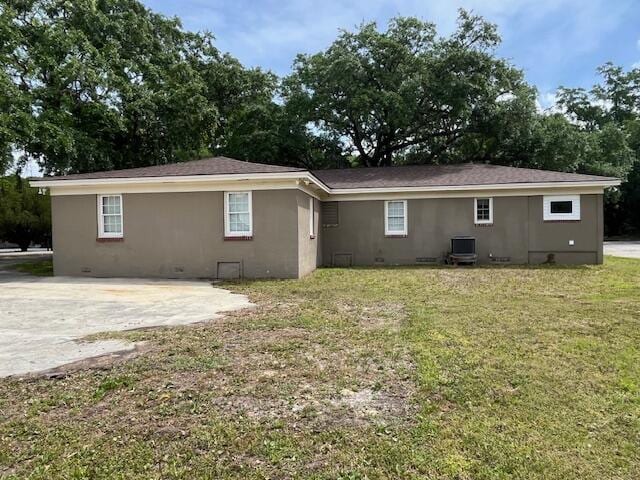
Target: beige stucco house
{"x":222,"y":218}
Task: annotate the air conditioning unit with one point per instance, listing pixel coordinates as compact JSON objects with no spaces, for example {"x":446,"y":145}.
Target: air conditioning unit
{"x":463,"y":250}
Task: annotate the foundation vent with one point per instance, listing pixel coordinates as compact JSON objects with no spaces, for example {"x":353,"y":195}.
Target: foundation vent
{"x":342,"y":259}
{"x":229,"y":270}
{"x":426,"y":259}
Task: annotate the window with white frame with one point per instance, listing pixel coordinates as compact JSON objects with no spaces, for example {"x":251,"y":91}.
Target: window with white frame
{"x":561,"y":207}
{"x":238,"y":221}
{"x":312,"y":220}
{"x":395,"y":217}
{"x":110,"y":216}
{"x":483,"y":210}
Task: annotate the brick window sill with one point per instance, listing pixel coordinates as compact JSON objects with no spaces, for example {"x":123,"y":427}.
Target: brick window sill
{"x":561,"y":221}
{"x":238,"y":239}
{"x":109,"y":239}
{"x":484,"y":224}
{"x":396,"y":236}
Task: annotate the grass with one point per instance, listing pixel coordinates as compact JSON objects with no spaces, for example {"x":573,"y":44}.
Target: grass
{"x":42,"y":268}
{"x":482,"y":373}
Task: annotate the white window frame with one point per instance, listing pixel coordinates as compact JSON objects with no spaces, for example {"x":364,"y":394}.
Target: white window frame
{"x":227,"y":232}
{"x":482,"y":221}
{"x":312,"y":220}
{"x":549,"y":199}
{"x":100,"y":202}
{"x":405,"y":229}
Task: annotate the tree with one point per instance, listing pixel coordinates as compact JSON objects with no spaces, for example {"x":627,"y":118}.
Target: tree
{"x":390,"y":93}
{"x":25,"y":215}
{"x":273,"y":133}
{"x":608,"y":118}
{"x":98,"y":85}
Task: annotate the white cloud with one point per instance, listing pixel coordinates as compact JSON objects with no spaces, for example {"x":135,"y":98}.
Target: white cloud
{"x":546,"y":102}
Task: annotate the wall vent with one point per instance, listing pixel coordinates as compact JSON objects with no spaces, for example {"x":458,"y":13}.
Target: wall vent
{"x":329,"y":214}
{"x":426,"y":259}
{"x":501,"y":259}
{"x":229,"y":270}
{"x":342,"y":259}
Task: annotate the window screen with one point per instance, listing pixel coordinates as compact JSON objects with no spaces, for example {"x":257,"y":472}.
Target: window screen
{"x":561,"y":207}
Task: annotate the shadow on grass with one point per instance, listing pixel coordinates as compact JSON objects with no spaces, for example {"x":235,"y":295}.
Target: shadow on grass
{"x":38,"y":268}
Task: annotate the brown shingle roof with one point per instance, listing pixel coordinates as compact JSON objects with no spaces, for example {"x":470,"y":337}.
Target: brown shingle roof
{"x":443,"y":175}
{"x":206,"y":166}
{"x":380,"y":177}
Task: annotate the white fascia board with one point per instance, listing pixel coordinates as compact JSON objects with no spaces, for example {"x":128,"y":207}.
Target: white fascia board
{"x":302,"y":180}
{"x":171,"y":179}
{"x":423,"y":194}
{"x":267,"y":181}
{"x":458,"y":188}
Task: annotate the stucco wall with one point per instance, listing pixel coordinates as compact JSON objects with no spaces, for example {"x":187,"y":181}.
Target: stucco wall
{"x":518,"y":233}
{"x":176,"y":235}
{"x":309,"y":253}
{"x":554,"y":237}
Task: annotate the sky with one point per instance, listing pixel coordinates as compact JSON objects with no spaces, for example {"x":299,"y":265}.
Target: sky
{"x":555,"y":42}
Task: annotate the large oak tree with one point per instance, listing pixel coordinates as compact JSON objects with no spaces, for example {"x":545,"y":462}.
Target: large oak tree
{"x":403,"y":90}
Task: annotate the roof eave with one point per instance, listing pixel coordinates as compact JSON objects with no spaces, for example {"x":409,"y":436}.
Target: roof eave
{"x":86,"y":182}
{"x":498,"y":186}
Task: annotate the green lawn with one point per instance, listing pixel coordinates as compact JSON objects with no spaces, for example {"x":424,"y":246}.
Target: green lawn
{"x":40,"y":268}
{"x":467,"y":373}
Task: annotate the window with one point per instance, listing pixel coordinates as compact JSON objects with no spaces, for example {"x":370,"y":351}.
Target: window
{"x":312,"y":220}
{"x":483,"y":210}
{"x":238,"y":221}
{"x":110,"y":216}
{"x":395,"y":217}
{"x":561,"y":207}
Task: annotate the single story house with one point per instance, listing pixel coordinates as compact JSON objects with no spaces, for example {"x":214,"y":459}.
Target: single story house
{"x":222,"y":218}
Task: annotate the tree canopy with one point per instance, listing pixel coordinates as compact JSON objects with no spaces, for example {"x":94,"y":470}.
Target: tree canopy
{"x":25,"y":213}
{"x":95,"y":85}
{"x":406,"y":91}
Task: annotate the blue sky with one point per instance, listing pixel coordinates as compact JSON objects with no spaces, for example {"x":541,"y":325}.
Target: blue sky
{"x":556,"y":42}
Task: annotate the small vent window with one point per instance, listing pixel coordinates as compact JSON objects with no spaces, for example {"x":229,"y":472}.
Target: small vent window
{"x":561,"y":207}
{"x":329,"y":214}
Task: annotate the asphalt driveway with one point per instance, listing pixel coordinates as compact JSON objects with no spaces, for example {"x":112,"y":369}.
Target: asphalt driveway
{"x":43,"y":319}
{"x":628,"y":249}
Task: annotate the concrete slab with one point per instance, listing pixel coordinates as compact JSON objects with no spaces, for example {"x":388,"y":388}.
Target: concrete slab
{"x":627,"y":249}
{"x":42,"y":319}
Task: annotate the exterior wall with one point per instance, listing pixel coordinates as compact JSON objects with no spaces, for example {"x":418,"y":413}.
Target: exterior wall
{"x":181,"y":235}
{"x":176,"y":235}
{"x":517,"y":235}
{"x":309,"y":252}
{"x":553,"y":237}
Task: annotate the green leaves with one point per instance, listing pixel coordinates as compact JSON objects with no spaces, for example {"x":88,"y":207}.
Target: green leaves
{"x":109,"y":84}
{"x":392,"y":93}
{"x":25,"y":215}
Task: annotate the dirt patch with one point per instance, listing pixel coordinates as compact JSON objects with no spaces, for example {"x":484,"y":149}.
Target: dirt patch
{"x":309,"y":376}
{"x":101,"y":362}
{"x":379,"y":316}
